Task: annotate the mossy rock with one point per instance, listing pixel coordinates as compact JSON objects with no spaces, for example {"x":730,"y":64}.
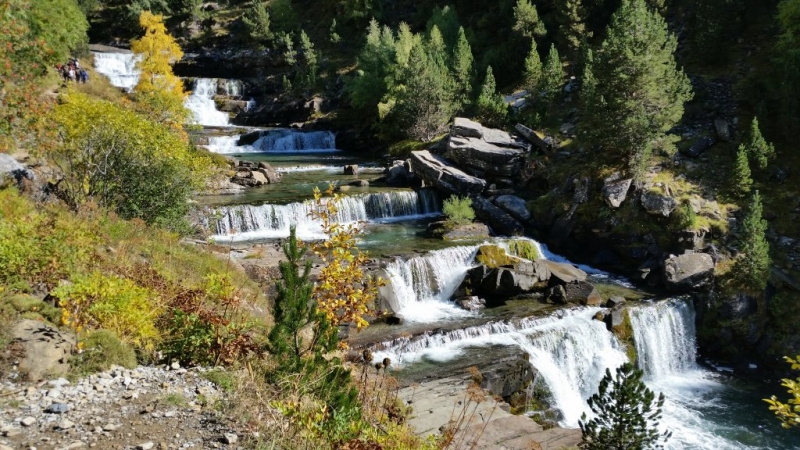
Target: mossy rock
{"x":623,"y":330}
{"x":524,"y":249}
{"x":32,"y":308}
{"x":493,"y":257}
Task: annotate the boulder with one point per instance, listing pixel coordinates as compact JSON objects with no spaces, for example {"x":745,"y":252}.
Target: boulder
{"x":563,"y":273}
{"x":615,"y":191}
{"x":540,"y":141}
{"x":272,"y":175}
{"x":516,"y":276}
{"x":398,"y":174}
{"x":722,"y":129}
{"x":45,"y":350}
{"x":473,"y":231}
{"x":615,"y":301}
{"x":514,"y":206}
{"x":351,"y":169}
{"x":581,"y":292}
{"x":440,"y":173}
{"x":359,"y":183}
{"x":485,"y":157}
{"x":466,"y":128}
{"x":471,"y":303}
{"x":658,"y":204}
{"x":688,"y":271}
{"x":698,"y":147}
{"x":258,"y":178}
{"x":501,"y":222}
{"x":508,"y":376}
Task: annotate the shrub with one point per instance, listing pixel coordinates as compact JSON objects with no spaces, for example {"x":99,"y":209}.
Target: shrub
{"x":101,"y":350}
{"x":458,"y":210}
{"x":109,"y":302}
{"x":524,"y":249}
{"x":686,"y":218}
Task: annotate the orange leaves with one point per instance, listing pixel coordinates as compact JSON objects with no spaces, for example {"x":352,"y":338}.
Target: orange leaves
{"x":344,"y":292}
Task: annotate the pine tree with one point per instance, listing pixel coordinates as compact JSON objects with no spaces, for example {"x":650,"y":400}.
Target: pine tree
{"x":572,"y":32}
{"x":533,"y":72}
{"x":526,"y":20}
{"x":640,"y":92}
{"x":752,"y":264}
{"x":375,"y":64}
{"x":759,"y":150}
{"x":626,"y":414}
{"x":309,"y":59}
{"x":742,"y":180}
{"x":295,"y":312}
{"x":490,"y":108}
{"x":437,"y":49}
{"x":462,"y":71}
{"x":256,"y":19}
{"x":334,"y":35}
{"x":446,"y":20}
{"x":552,"y":75}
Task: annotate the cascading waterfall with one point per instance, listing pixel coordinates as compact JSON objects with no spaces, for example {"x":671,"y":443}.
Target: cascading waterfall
{"x":284,"y":140}
{"x":419,"y":288}
{"x":120,"y":68}
{"x":226,"y":145}
{"x":201,"y":104}
{"x":246,"y":222}
{"x":665,"y":338}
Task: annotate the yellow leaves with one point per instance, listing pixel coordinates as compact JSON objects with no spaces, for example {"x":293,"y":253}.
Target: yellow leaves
{"x":788,"y":413}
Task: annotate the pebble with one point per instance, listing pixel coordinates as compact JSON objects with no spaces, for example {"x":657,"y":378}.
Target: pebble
{"x":146,"y":446}
{"x":28,"y":421}
{"x":65,"y":424}
{"x":230,"y":438}
{"x":57,"y":408}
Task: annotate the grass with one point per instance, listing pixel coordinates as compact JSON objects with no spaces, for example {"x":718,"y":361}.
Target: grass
{"x":174,"y":399}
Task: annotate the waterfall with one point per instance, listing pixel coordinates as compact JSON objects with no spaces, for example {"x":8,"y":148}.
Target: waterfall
{"x":225,"y":145}
{"x":570,"y":350}
{"x":245,"y":222}
{"x":201,"y":103}
{"x":665,"y":338}
{"x":420,"y":288}
{"x":284,"y":140}
{"x":120,"y":68}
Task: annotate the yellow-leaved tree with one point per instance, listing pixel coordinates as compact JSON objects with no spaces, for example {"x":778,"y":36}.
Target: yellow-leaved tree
{"x":788,"y":413}
{"x":159,"y":92}
{"x":343,"y":291}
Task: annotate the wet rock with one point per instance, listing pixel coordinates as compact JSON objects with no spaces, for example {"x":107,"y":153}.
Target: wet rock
{"x":442,"y":229}
{"x":501,"y":222}
{"x":507,"y":377}
{"x":581,"y":292}
{"x":359,"y":183}
{"x":351,"y":169}
{"x":514,"y":206}
{"x":658,"y":204}
{"x":471,"y":303}
{"x":688,"y":271}
{"x":395,"y":319}
{"x":615,"y":301}
{"x":398,"y":174}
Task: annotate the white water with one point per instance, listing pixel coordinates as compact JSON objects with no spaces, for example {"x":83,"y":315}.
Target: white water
{"x":420,"y":288}
{"x":283,"y":140}
{"x":248,"y":222}
{"x":201,"y":103}
{"x":223,"y":144}
{"x":120,"y":68}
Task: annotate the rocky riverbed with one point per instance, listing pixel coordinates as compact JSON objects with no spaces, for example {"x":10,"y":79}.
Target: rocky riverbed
{"x":164,"y":407}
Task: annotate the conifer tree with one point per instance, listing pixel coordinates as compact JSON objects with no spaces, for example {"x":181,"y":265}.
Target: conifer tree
{"x":741,"y":180}
{"x":375,"y":64}
{"x":490,"y":108}
{"x":526,"y":20}
{"x":309,"y":59}
{"x":752,"y":264}
{"x":295,"y":311}
{"x":759,"y":150}
{"x":446,"y":20}
{"x":639,"y":91}
{"x":552,"y":75}
{"x":257,"y":21}
{"x":627,"y":413}
{"x":462,"y":71}
{"x":437,"y":49}
{"x":572,"y":32}
{"x":533,"y":71}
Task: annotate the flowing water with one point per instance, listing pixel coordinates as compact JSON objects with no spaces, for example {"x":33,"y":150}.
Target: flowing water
{"x":569,"y":349}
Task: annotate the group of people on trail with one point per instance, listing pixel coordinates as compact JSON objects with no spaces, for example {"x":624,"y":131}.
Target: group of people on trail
{"x":72,"y":71}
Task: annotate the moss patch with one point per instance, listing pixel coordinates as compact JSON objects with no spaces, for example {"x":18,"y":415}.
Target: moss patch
{"x":524,"y":249}
{"x":493,"y":257}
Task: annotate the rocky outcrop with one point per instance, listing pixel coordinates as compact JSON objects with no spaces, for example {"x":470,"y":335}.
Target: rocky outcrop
{"x":473,"y":231}
{"x":521,"y":277}
{"x":12,"y":172}
{"x":514,"y":206}
{"x":440,"y":173}
{"x":502,"y":223}
{"x":658,"y":204}
{"x":543,"y":143}
{"x":615,"y":190}
{"x":576,"y":291}
{"x":486,"y":152}
{"x":45,"y":350}
{"x":688,"y":271}
{"x":399,"y":173}
{"x":250,"y":174}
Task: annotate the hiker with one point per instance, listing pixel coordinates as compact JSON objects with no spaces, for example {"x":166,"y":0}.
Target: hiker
{"x":84,"y":76}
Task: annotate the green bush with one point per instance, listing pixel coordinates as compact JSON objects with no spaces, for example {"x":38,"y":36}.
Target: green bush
{"x":101,"y":350}
{"x":458,"y":210}
{"x":686,"y":218}
{"x":109,"y":302}
{"x":524,"y":249}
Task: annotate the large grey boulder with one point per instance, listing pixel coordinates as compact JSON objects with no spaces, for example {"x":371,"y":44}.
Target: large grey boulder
{"x":581,"y":292}
{"x":514,"y":206}
{"x":521,"y":277}
{"x":486,"y":157}
{"x":45,"y":350}
{"x":440,"y":173}
{"x":688,"y":271}
{"x":466,"y":128}
{"x":501,"y":222}
{"x":563,"y":273}
{"x":658,"y":204}
{"x":398,"y":174}
{"x":615,"y":191}
{"x":543,"y":143}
